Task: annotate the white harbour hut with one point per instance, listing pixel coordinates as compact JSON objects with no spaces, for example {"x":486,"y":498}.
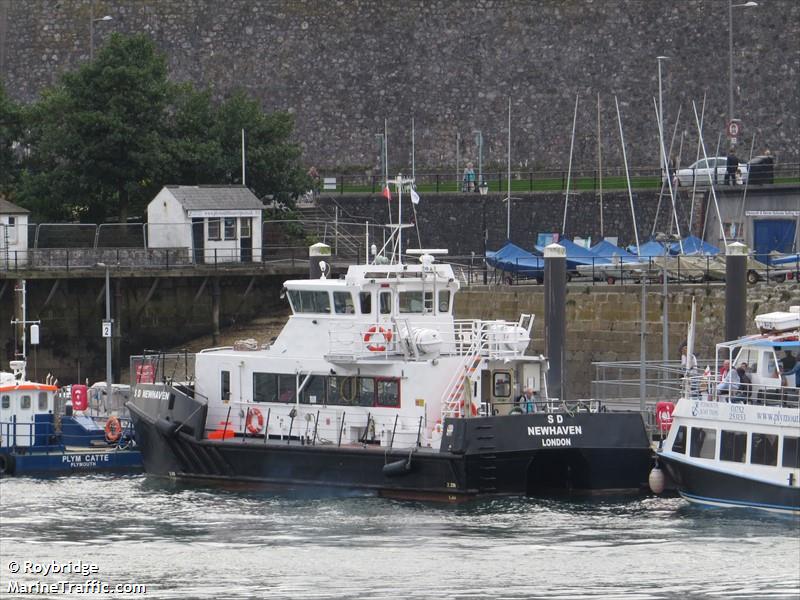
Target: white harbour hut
{"x":217,"y":223}
{"x":13,"y":235}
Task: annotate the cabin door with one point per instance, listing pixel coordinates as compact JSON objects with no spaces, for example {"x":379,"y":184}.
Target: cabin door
{"x":198,"y":239}
{"x":246,"y":240}
{"x":24,"y":430}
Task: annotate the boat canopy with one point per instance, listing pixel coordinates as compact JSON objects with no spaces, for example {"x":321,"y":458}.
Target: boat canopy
{"x":579,"y":255}
{"x":608,"y":250}
{"x":789,"y":259}
{"x":513,"y":258}
{"x":694,"y":245}
{"x":649,"y":249}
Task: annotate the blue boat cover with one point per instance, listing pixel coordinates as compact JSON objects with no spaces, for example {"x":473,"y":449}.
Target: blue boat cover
{"x":694,"y":245}
{"x":610,"y":251}
{"x":513,"y":258}
{"x":789,"y":259}
{"x":649,"y":249}
{"x":578,"y":255}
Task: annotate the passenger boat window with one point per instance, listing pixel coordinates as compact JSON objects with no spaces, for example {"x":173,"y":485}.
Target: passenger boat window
{"x":342,"y":391}
{"x":314,"y":392}
{"x":679,"y":445}
{"x":791,"y":452}
{"x":733,"y":446}
{"x":6,"y":402}
{"x":287,"y":386}
{"x":25,"y":402}
{"x":365,"y":299}
{"x":502,"y":384}
{"x":410,"y":302}
{"x":42,"y":402}
{"x":214,"y":229}
{"x":265,"y":387}
{"x":385,"y":303}
{"x":310,"y":302}
{"x":366,"y":391}
{"x":230,"y":228}
{"x":225,"y":385}
{"x":444,"y":301}
{"x":343,"y":303}
{"x":388,"y":393}
{"x":764,"y":449}
{"x":704,"y":443}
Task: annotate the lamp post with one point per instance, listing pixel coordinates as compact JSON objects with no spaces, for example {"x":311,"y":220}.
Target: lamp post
{"x":92,"y":21}
{"x":107,"y":330}
{"x":731,"y":6}
{"x":479,"y":140}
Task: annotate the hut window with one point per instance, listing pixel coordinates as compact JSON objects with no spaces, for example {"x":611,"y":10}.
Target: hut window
{"x":230,"y":228}
{"x":213,"y":229}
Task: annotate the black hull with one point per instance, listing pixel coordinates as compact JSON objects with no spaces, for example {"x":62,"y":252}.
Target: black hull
{"x":482,"y":456}
{"x":711,"y":487}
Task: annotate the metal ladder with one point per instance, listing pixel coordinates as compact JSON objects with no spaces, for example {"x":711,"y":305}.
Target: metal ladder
{"x":464,"y":373}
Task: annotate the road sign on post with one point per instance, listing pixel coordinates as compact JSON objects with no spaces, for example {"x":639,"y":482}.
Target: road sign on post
{"x":107,"y":328}
{"x":734,"y":129}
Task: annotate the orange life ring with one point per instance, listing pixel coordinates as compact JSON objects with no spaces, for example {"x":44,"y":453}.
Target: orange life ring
{"x":387,"y":337}
{"x":253,"y":414}
{"x":113,"y":430}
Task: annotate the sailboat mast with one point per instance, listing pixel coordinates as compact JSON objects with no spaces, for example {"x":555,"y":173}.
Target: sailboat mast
{"x":600,"y":167}
{"x":508,"y":207}
{"x":627,"y":176}
{"x":569,"y":168}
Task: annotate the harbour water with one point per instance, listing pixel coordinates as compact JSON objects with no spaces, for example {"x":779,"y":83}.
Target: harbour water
{"x":185,"y":541}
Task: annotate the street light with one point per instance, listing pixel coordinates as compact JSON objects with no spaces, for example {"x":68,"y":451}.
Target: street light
{"x":731,"y":6}
{"x":92,"y":21}
{"x":107,"y":333}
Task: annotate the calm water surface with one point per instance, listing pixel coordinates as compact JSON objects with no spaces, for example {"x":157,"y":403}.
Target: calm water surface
{"x":199,"y":542}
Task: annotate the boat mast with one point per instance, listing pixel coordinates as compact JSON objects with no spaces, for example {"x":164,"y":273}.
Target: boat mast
{"x":569,"y":168}
{"x":627,"y":177}
{"x":713,"y":191}
{"x":665,"y":163}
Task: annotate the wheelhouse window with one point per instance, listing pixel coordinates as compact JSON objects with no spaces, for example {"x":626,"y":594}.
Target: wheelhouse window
{"x":42,"y":401}
{"x":265,"y":387}
{"x":225,"y":385}
{"x":764,"y":449}
{"x":343,"y":303}
{"x":342,"y":391}
{"x":733,"y":446}
{"x":385,"y":303}
{"x":791,"y":452}
{"x":501,"y":382}
{"x":230,"y":228}
{"x":6,"y":402}
{"x":388,"y":393}
{"x":365,"y":300}
{"x":410,"y":302}
{"x":366,"y":391}
{"x":214,"y":229}
{"x":444,"y":301}
{"x":314,"y":392}
{"x":25,"y":402}
{"x":309,"y":301}
{"x":679,"y":444}
{"x":704,"y":443}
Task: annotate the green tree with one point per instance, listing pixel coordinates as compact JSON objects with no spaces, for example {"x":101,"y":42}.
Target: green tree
{"x":10,"y":132}
{"x":96,"y":139}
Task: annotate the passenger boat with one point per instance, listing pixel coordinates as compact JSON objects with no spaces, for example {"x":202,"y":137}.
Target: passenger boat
{"x":738,"y":445}
{"x":41,"y":434}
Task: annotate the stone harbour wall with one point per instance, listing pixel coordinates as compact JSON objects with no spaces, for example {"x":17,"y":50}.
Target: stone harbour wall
{"x":343,"y":67}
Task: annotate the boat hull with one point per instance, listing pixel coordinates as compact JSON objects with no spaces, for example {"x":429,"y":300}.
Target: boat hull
{"x":482,"y":456}
{"x":64,"y":462}
{"x":714,"y":488}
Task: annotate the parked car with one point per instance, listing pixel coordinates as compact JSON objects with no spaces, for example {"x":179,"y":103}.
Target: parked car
{"x":703,"y":172}
{"x":761,"y":170}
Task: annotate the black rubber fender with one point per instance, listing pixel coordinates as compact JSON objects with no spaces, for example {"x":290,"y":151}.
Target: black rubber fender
{"x":166,"y":428}
{"x":397,"y":468}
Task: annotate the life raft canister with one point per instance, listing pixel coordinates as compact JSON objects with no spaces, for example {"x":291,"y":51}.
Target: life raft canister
{"x":255,"y":420}
{"x":375,"y":347}
{"x":664,"y":412}
{"x":113,"y":429}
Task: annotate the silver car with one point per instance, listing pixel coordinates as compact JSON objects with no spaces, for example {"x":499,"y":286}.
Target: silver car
{"x":703,"y":172}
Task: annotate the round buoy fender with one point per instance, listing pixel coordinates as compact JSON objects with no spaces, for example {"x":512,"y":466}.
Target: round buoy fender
{"x":7,"y":464}
{"x":255,"y":420}
{"x":375,"y":347}
{"x":113,"y":429}
{"x":656,"y":480}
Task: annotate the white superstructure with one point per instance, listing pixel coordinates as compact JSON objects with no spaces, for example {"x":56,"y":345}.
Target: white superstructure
{"x":374,"y":357}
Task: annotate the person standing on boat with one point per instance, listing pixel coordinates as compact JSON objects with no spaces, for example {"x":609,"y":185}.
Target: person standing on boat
{"x":789,"y":361}
{"x":527,"y":401}
{"x":730,"y":380}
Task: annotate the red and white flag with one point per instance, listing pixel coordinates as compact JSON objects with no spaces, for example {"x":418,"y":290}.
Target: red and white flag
{"x":387,"y":193}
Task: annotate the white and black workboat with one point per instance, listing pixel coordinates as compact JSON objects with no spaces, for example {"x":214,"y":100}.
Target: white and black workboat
{"x":373,"y":384}
{"x":737,"y":444}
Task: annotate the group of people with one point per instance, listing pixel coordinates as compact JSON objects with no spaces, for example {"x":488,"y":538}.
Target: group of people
{"x":737,"y":380}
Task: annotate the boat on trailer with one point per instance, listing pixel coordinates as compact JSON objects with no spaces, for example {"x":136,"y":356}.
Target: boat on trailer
{"x":738,"y":444}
